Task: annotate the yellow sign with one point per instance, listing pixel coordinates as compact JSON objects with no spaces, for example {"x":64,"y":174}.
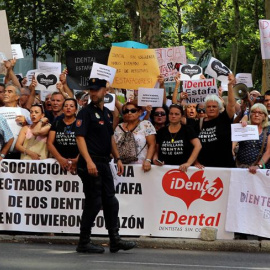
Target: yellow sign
{"x":135,"y":67}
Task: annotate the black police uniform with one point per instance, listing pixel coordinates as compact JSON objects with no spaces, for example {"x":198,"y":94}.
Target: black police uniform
{"x":95,"y":125}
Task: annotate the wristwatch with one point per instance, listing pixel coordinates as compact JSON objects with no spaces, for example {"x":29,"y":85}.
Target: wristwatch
{"x":2,"y":155}
{"x":260,"y":166}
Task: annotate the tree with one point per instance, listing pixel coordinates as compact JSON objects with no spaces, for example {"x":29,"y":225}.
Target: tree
{"x":37,"y":24}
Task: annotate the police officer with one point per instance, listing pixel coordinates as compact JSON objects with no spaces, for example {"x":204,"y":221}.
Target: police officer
{"x":94,"y":135}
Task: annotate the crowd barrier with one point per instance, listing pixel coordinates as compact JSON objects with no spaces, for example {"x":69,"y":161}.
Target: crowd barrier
{"x":38,"y":196}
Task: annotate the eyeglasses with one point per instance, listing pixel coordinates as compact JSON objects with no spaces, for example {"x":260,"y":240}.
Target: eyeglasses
{"x":126,"y":111}
{"x":259,"y":113}
{"x":159,"y":114}
{"x":38,"y":105}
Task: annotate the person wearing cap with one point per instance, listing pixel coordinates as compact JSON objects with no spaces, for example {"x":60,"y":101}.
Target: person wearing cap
{"x":94,"y":135}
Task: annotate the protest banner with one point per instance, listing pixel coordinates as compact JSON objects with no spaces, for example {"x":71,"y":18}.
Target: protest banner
{"x":49,"y":67}
{"x":170,"y":60}
{"x":39,"y":196}
{"x":46,"y":80}
{"x":130,"y":44}
{"x":103,"y":72}
{"x":29,"y":76}
{"x":199,"y":89}
{"x":264,"y":26}
{"x":5,"y":45}
{"x":218,"y":70}
{"x":245,"y":78}
{"x":150,"y":96}
{"x":79,"y":66}
{"x":247,"y":133}
{"x":249,"y":203}
{"x":135,"y":67}
{"x":190,"y":72}
{"x":17,"y":52}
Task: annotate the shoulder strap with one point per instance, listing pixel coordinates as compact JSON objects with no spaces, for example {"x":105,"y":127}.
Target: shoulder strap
{"x":201,"y":123}
{"x":263,"y":144}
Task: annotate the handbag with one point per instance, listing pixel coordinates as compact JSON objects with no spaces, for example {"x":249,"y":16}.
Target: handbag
{"x":240,"y":165}
{"x":127,"y":146}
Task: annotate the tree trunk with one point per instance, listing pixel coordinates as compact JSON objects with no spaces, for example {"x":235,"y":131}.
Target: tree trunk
{"x":235,"y":44}
{"x":150,"y":22}
{"x":266,"y":62}
{"x":131,"y":7}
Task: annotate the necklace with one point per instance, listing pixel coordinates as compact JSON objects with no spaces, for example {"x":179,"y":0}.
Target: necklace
{"x":173,"y":136}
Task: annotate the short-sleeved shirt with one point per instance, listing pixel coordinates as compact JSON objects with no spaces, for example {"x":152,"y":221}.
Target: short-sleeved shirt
{"x":65,"y":140}
{"x":248,"y":151}
{"x":5,"y":132}
{"x":175,"y":148}
{"x":215,"y":137}
{"x":95,"y":125}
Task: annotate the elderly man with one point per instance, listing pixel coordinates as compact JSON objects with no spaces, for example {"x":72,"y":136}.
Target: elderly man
{"x":15,"y":115}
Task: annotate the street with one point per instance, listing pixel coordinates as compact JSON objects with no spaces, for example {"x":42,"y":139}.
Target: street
{"x":30,"y":256}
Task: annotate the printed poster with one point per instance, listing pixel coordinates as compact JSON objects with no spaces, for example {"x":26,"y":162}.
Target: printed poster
{"x":79,"y":66}
{"x":190,"y":72}
{"x":264,"y":26}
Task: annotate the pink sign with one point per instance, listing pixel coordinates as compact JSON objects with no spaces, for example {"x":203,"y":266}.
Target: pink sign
{"x":265,"y":38}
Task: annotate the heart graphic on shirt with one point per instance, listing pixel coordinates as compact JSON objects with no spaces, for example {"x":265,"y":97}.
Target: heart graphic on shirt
{"x":191,"y":70}
{"x":177,"y":184}
{"x":46,"y":80}
{"x":219,"y":68}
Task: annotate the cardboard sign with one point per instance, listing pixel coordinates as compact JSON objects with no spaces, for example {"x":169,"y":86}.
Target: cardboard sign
{"x":245,"y":78}
{"x":170,"y":60}
{"x":5,"y":46}
{"x":190,"y":72}
{"x":150,"y":96}
{"x":79,"y":66}
{"x":130,"y":44}
{"x":103,"y":72}
{"x":135,"y":67}
{"x":17,"y":51}
{"x":198,"y":90}
{"x":264,"y":26}
{"x":46,"y":81}
{"x":3,"y":58}
{"x":218,"y":70}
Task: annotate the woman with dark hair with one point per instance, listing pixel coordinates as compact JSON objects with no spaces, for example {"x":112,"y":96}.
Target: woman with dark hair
{"x":143,"y":131}
{"x":177,"y":144}
{"x":32,"y":138}
{"x":62,"y":141}
{"x":159,"y":117}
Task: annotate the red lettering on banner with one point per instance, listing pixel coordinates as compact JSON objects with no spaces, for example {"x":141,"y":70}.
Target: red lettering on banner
{"x":177,"y":184}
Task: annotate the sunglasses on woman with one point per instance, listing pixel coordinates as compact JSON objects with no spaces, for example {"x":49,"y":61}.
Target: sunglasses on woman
{"x":159,"y":114}
{"x":126,"y":111}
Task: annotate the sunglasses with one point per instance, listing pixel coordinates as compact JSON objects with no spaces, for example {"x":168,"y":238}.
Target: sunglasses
{"x":159,"y":114}
{"x":126,"y":111}
{"x":200,"y":110}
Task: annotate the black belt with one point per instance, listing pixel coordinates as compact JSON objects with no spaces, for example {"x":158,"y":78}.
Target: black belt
{"x":100,"y":159}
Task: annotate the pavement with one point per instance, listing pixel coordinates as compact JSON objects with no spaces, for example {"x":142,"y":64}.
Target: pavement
{"x":250,"y":245}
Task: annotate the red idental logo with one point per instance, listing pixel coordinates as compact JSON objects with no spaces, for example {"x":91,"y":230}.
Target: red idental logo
{"x":177,"y":184}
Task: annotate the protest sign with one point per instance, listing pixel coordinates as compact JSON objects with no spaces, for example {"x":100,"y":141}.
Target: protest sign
{"x":245,"y":78}
{"x":50,"y":67}
{"x":150,"y":96}
{"x":190,"y":72}
{"x":79,"y":66}
{"x":17,"y":51}
{"x":135,"y":67}
{"x":240,"y":133}
{"x":46,"y":80}
{"x":5,"y":46}
{"x":218,"y":70}
{"x":109,"y":101}
{"x":29,"y":76}
{"x":103,"y":72}
{"x":3,"y":58}
{"x":199,"y":89}
{"x":248,"y":208}
{"x":130,"y":44}
{"x":264,"y":26}
{"x":170,"y":60}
